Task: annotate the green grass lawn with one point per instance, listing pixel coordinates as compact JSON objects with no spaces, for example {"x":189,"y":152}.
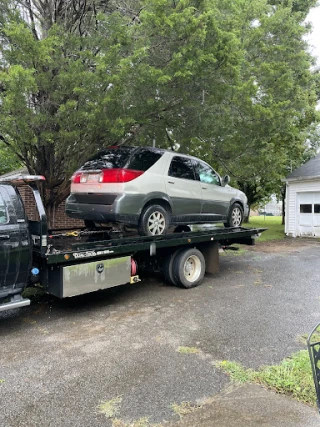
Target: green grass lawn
{"x":272,"y":223}
{"x":293,"y":376}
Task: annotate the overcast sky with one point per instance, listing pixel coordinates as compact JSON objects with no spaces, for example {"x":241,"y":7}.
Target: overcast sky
{"x":314,"y":37}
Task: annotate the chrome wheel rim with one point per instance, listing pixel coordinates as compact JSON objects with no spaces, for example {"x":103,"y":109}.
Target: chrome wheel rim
{"x":236,"y":217}
{"x":192,"y":268}
{"x":156,"y":223}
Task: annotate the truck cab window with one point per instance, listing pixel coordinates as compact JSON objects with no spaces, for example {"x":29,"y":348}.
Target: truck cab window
{"x":3,"y":212}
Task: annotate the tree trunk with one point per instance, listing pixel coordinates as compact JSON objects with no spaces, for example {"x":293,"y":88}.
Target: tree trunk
{"x":51,"y":211}
{"x":247,"y":219}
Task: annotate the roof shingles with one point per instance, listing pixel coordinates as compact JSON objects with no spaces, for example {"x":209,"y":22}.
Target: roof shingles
{"x":311,"y":169}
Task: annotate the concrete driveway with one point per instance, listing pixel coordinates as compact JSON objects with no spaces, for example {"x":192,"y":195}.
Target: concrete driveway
{"x":143,"y":355}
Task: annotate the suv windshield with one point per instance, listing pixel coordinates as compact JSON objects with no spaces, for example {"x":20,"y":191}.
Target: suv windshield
{"x":111,"y":158}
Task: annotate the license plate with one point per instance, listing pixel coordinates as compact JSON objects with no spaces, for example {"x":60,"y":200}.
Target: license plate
{"x":93,"y":177}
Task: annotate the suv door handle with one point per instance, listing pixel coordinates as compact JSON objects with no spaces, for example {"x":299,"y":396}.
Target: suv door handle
{"x":4,"y":236}
{"x":171,"y":182}
{"x":204,"y":188}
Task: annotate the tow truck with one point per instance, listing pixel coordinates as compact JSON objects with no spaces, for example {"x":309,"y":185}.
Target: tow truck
{"x":76,"y":262}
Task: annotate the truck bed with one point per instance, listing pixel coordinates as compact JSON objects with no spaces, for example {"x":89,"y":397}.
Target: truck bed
{"x":63,"y":249}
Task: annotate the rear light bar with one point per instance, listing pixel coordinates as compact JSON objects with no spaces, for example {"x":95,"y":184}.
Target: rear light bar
{"x":105,"y":176}
{"x":20,"y":179}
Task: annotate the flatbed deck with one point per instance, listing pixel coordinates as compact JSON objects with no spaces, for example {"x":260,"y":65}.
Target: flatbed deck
{"x":63,"y":250}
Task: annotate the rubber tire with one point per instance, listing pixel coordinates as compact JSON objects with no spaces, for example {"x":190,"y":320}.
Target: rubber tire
{"x":145,"y":216}
{"x":178,"y":268}
{"x":168,"y":267}
{"x":230,"y":220}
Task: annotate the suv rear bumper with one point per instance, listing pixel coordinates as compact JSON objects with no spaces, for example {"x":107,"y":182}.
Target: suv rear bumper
{"x":103,"y":213}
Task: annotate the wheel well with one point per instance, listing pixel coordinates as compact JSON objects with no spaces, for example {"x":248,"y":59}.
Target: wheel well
{"x":241,"y":204}
{"x":160,"y":202}
{"x":237,"y":202}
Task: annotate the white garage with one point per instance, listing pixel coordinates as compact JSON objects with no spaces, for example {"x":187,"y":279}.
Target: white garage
{"x":303,"y":200}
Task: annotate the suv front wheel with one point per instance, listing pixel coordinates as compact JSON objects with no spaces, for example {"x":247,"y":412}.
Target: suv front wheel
{"x":235,"y":216}
{"x":154,"y":221}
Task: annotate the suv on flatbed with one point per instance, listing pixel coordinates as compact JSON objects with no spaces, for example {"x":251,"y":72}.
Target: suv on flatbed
{"x":152,"y":189}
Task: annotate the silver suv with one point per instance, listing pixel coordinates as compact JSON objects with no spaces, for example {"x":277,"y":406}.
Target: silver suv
{"x":152,"y":189}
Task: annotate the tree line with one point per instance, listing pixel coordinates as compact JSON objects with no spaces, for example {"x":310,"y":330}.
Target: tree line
{"x":230,"y":81}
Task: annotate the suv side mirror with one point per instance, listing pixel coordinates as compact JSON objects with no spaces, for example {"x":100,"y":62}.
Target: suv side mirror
{"x":225,"y":180}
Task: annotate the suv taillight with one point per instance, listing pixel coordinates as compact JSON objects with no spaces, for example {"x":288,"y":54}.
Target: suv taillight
{"x":105,"y":176}
{"x":118,"y":175}
{"x":75,"y":179}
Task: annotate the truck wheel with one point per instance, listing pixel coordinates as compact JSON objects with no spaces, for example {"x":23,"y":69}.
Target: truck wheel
{"x":188,"y":268}
{"x":154,"y":221}
{"x":235,"y":217}
{"x":168,"y":267}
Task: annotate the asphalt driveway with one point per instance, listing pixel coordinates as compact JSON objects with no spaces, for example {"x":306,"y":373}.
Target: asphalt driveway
{"x":138,"y":352}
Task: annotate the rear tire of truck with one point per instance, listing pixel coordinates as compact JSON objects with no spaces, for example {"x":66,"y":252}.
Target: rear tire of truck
{"x":154,"y":221}
{"x":188,"y":268}
{"x":168,"y":267}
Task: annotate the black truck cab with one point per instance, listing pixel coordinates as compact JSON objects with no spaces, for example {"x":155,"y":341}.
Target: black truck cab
{"x":15,"y":245}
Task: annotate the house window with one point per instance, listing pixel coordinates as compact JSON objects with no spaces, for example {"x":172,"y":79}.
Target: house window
{"x":307,"y":208}
{"x":317,"y":209}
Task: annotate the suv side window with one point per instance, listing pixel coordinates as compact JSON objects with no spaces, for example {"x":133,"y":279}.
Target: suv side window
{"x":207,"y":174}
{"x":181,"y":167}
{"x":143,"y":159}
{"x":4,"y":217}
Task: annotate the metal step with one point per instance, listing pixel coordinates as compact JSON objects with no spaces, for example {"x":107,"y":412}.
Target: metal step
{"x":16,"y":302}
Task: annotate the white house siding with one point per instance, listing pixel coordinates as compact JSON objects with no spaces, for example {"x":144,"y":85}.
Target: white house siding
{"x":306,"y":192}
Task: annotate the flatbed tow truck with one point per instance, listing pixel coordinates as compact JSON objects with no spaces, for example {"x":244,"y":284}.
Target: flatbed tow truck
{"x":82,"y":261}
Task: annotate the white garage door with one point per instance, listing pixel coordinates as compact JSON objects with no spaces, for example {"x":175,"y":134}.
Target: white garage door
{"x":309,"y":214}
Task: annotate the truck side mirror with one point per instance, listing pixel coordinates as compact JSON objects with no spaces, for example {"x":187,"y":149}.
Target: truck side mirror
{"x":225,"y":180}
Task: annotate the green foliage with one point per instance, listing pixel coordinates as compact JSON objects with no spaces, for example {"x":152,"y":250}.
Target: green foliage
{"x":228,"y":80}
{"x":263,"y":124}
{"x":236,"y":371}
{"x":8,"y":160}
{"x":110,"y":408}
{"x":293,"y":376}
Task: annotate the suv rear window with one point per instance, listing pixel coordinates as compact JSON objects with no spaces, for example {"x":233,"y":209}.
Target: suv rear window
{"x":144,"y":158}
{"x":111,"y":158}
